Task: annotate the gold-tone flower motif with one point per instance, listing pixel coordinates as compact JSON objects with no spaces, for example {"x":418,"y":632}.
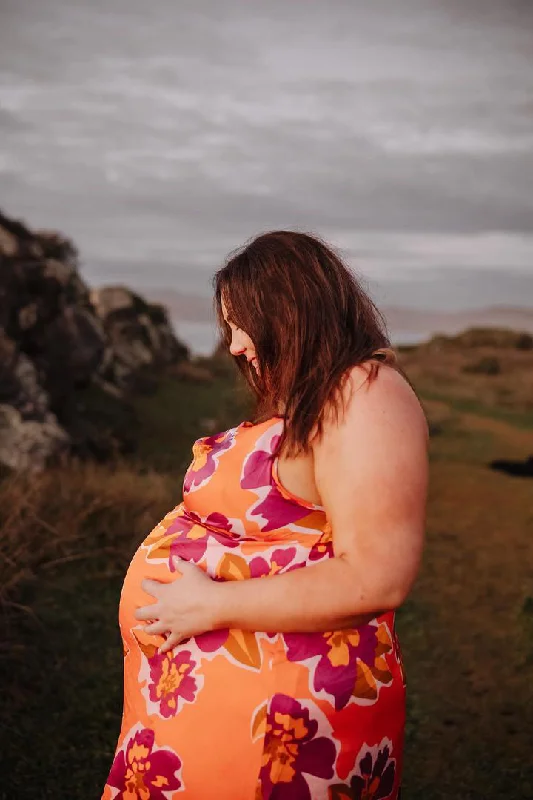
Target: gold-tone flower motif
{"x":282,"y":748}
{"x":200,"y":451}
{"x":339,"y":651}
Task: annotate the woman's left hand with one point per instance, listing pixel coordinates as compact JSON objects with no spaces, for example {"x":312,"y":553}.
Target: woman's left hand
{"x":184,"y":607}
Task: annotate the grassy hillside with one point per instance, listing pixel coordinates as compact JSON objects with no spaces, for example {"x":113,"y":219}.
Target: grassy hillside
{"x":466,"y":630}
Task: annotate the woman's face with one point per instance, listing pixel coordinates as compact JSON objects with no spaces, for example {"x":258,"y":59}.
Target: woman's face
{"x":241,"y":344}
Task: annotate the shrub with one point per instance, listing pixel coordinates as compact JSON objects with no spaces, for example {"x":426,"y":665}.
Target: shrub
{"x":488,"y":365}
{"x":524,"y":341}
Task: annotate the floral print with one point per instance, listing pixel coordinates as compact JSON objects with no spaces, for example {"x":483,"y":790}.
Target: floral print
{"x":351,"y":662}
{"x":188,"y":537}
{"x":374,"y":778}
{"x":206,"y":454}
{"x":192,"y":541}
{"x":323,"y":547}
{"x":171,"y":683}
{"x":279,"y":561}
{"x":272,"y":510}
{"x":293,"y":750}
{"x":168,"y":680}
{"x":241,"y":647}
{"x":143,"y":771}
{"x":292,"y":716}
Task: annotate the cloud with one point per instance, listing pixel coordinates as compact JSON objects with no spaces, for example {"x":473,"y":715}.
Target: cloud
{"x":161,"y":140}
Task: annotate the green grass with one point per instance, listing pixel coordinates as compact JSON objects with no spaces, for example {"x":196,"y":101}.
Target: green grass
{"x":172,"y":418}
{"x":458,"y":443}
{"x":519,"y":419}
{"x":58,"y":729}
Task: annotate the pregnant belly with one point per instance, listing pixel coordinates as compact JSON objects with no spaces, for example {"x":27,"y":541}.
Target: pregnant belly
{"x":236,"y":560}
{"x":215,"y":665}
{"x":338,"y":666}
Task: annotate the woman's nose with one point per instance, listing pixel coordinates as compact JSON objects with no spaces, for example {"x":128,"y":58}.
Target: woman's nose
{"x":236,"y":347}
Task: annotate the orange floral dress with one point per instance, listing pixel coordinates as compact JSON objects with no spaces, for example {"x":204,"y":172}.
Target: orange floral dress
{"x":238,"y":715}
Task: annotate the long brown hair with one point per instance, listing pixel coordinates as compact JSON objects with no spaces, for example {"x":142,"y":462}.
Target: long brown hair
{"x":310,"y":320}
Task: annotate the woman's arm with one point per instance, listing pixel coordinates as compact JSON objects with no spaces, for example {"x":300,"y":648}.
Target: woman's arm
{"x":371,"y":471}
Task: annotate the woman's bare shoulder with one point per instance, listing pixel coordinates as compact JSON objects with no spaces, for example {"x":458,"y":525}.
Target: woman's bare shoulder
{"x":387,"y":395}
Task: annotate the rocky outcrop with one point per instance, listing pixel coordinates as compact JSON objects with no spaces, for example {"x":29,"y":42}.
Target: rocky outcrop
{"x":69,"y":356}
{"x":139,"y":333}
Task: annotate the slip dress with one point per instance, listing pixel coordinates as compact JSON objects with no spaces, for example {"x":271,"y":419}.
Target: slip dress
{"x":238,"y":715}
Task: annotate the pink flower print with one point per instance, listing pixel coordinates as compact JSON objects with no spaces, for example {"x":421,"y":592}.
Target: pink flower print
{"x":206,"y":454}
{"x":351,"y":661}
{"x":142,"y":771}
{"x":323,"y":547}
{"x":189,"y":535}
{"x":279,"y":561}
{"x":291,"y":750}
{"x":210,"y":641}
{"x":275,"y":510}
{"x":171,"y":682}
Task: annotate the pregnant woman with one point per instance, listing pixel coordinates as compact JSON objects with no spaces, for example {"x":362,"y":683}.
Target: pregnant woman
{"x":260,"y":655}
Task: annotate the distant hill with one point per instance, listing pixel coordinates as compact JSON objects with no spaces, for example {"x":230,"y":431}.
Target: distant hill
{"x":404,"y":323}
{"x":413,"y":323}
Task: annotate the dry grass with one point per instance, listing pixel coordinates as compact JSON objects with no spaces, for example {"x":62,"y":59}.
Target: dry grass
{"x":96,"y":512}
{"x":88,"y":511}
{"x":445,"y":370}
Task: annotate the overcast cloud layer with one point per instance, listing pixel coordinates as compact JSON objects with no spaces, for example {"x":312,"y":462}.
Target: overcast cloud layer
{"x":160,"y":136}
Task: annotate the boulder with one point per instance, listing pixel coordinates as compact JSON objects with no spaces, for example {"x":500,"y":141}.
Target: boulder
{"x":139,"y":333}
{"x":68,"y":355}
{"x":27,"y":445}
{"x":19,"y":382}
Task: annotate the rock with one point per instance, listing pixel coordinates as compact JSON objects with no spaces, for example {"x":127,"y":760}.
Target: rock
{"x":139,"y":333}
{"x":111,"y":298}
{"x":19,"y":383}
{"x":29,"y":446}
{"x":58,"y":247}
{"x":70,"y":357}
{"x":72,"y":349}
{"x":8,"y":243}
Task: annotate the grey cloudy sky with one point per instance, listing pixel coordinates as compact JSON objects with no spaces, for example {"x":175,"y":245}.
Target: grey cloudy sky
{"x":160,"y":136}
